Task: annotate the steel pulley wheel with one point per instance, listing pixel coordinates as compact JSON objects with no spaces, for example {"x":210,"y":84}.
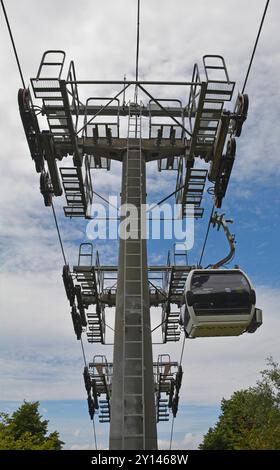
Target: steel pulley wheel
{"x":45,"y":188}
{"x":25,"y":106}
{"x":66,"y":271}
{"x":242,"y":104}
{"x":39,"y":164}
{"x":163,"y":319}
{"x":211,"y":190}
{"x":24,"y":99}
{"x":31,"y":127}
{"x":231,"y":147}
{"x":241,"y":110}
{"x":43,"y":181}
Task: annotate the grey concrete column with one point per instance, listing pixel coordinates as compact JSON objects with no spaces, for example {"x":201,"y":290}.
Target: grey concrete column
{"x":133,"y":417}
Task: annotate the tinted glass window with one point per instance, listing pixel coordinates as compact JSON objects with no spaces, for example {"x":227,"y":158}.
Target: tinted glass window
{"x":220,"y":293}
{"x":219,"y":282}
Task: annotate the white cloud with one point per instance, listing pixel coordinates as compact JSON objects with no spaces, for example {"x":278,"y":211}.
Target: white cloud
{"x":81,"y":447}
{"x":191,"y":441}
{"x":163,"y":444}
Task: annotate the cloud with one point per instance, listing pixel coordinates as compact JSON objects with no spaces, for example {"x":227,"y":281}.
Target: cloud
{"x":191,"y":441}
{"x":163,"y":444}
{"x":80,"y":447}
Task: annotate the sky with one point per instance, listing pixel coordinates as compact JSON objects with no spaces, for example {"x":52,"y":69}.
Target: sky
{"x":39,"y":356}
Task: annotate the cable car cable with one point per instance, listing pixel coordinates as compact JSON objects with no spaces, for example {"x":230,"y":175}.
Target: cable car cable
{"x":165,"y":198}
{"x":171,"y":434}
{"x":182,"y":352}
{"x":81,"y":340}
{"x":137,"y":50}
{"x":64,"y":257}
{"x":23,"y":83}
{"x":156,"y":327}
{"x":83,"y":350}
{"x":173,"y":419}
{"x":94,"y":434}
{"x":255,"y":47}
{"x":137,"y":42}
{"x":58,"y":234}
{"x":13,"y":43}
{"x":105,"y":200}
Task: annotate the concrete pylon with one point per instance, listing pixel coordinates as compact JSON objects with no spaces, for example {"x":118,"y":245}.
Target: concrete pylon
{"x":133,"y":415}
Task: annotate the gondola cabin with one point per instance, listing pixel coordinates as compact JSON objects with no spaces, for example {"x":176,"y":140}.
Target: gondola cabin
{"x":218,"y":302}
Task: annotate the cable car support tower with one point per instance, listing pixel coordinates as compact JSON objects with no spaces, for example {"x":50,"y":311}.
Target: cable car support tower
{"x":132,"y":392}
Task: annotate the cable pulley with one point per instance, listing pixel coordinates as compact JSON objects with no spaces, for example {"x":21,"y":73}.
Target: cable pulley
{"x":240,"y":114}
{"x":46,"y":188}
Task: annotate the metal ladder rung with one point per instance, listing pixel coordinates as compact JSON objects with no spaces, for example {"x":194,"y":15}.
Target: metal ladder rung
{"x":217,"y":91}
{"x":133,"y":358}
{"x":133,"y":394}
{"x":58,"y":126}
{"x":134,"y":326}
{"x":198,"y":177}
{"x":137,"y":342}
{"x":133,"y":377}
{"x":207,"y":128}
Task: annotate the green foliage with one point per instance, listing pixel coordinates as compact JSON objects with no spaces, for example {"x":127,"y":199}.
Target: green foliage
{"x":25,"y":430}
{"x":250,"y":419}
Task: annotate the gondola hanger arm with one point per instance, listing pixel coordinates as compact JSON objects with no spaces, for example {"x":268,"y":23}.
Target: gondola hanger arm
{"x":219,"y":221}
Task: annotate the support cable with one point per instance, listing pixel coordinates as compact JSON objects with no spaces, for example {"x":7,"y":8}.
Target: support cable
{"x":255,"y":47}
{"x":182,"y":351}
{"x":105,"y":200}
{"x":171,"y":434}
{"x":64,"y":257}
{"x":137,"y":43}
{"x":165,"y":199}
{"x":13,"y":43}
{"x":137,"y":51}
{"x":81,"y":340}
{"x":94,"y":434}
{"x":83,"y":351}
{"x":173,"y":419}
{"x":102,"y":107}
{"x":156,"y":327}
{"x":108,"y":326}
{"x":58,"y":234}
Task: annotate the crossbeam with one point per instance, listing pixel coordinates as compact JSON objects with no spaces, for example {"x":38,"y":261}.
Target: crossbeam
{"x":114,"y":110}
{"x":129,"y":82}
